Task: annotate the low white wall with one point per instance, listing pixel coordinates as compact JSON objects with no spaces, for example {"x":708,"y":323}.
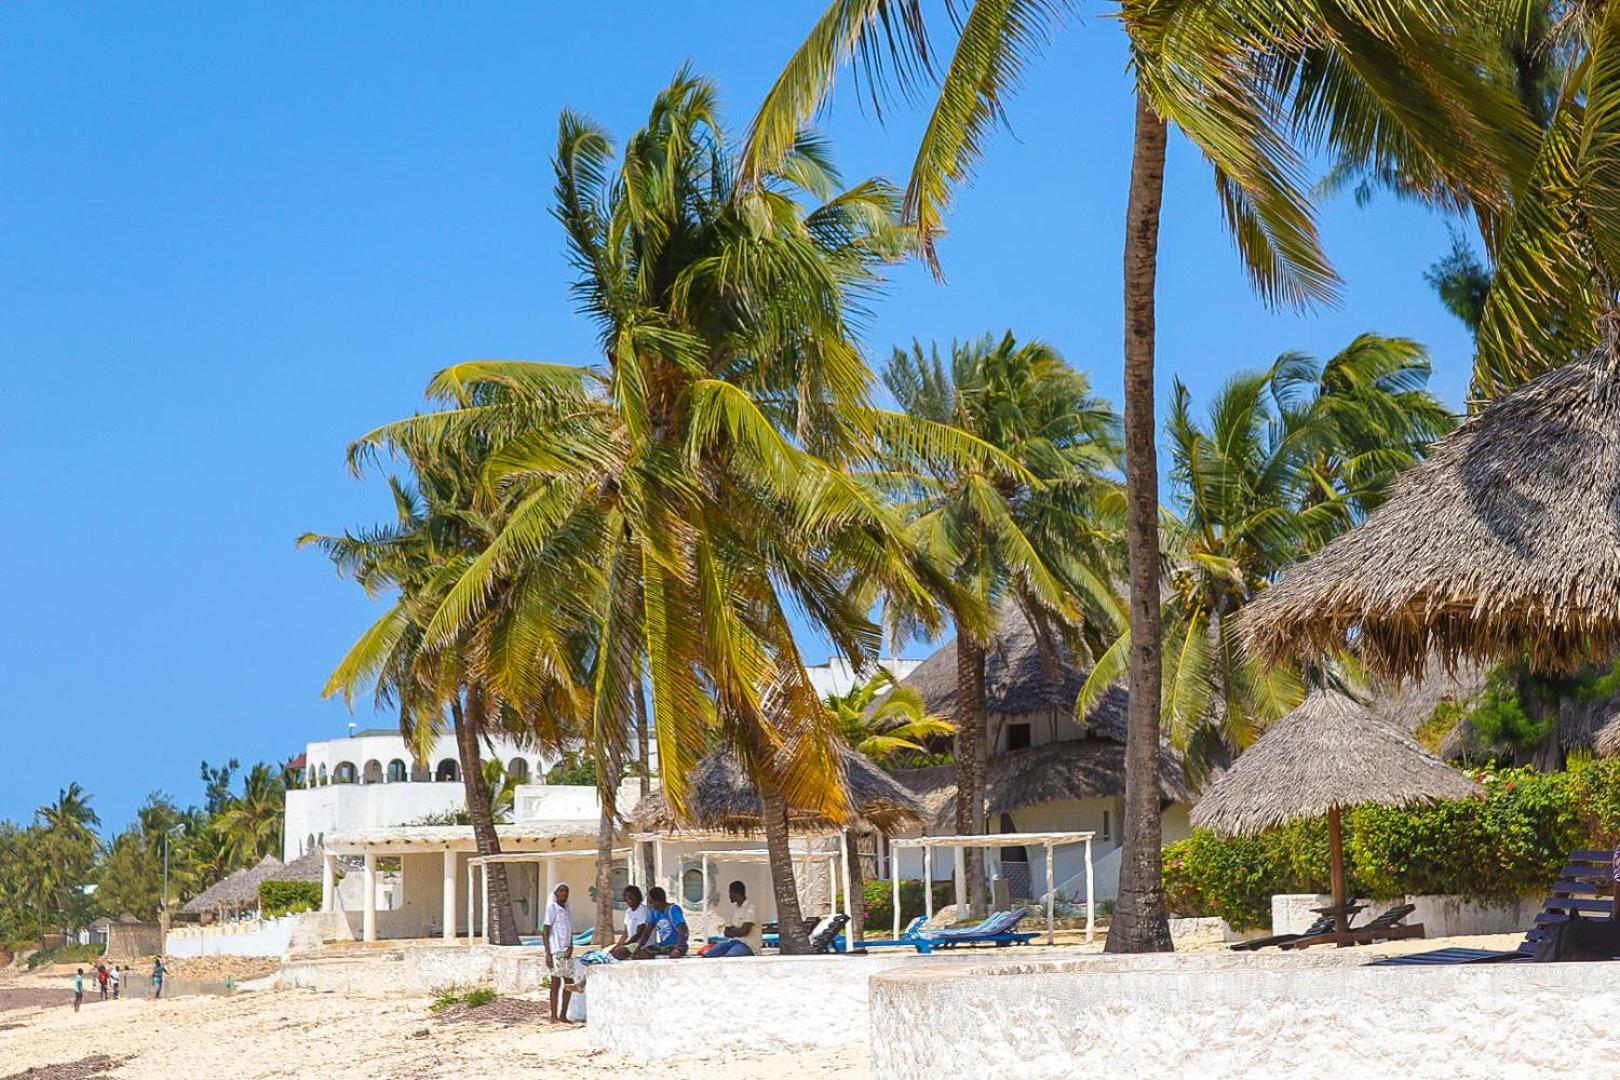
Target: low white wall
{"x":509,"y":969}
{"x":253,"y":937}
{"x":1217,"y":1016}
{"x":653,"y":1009}
{"x":1441,"y":916}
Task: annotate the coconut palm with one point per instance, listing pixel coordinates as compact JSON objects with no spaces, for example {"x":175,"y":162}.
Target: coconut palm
{"x":251,"y":823}
{"x":883,"y":719}
{"x":66,"y":851}
{"x":1289,"y":458}
{"x":1038,"y":540}
{"x":707,"y":456}
{"x":1256,"y":85}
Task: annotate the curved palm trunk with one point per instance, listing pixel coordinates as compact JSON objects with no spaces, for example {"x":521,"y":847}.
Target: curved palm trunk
{"x":643,"y":755}
{"x":856,"y":931}
{"x":604,"y":869}
{"x":971,"y":758}
{"x":469,"y":725}
{"x":789,"y":920}
{"x":1139,"y":923}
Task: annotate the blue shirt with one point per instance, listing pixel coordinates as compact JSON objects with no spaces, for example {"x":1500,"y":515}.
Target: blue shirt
{"x":664,"y":924}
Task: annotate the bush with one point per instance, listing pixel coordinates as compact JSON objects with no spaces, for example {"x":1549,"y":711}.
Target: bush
{"x":879,"y":901}
{"x":1511,"y":842}
{"x":288,"y":897}
{"x":66,"y":954}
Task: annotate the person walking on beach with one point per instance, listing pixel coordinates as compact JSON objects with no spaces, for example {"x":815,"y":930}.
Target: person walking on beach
{"x":558,"y":932}
{"x":101,"y":980}
{"x":78,"y":990}
{"x":116,"y":979}
{"x":741,"y":925}
{"x":158,"y":971}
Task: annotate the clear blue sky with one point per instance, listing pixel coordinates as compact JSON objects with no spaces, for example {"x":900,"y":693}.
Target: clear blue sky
{"x":236,"y":236}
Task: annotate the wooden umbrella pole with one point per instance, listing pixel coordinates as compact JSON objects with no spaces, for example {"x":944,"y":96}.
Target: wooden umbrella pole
{"x":1341,"y":920}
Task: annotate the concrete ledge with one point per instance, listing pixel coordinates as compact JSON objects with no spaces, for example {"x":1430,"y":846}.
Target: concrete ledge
{"x":509,"y":969}
{"x":1208,"y":1016}
{"x":769,"y":1002}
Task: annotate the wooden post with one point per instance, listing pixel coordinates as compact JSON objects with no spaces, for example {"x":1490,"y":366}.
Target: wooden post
{"x":1091,"y":901}
{"x":928,"y":881}
{"x":1341,"y":921}
{"x":894,"y":881}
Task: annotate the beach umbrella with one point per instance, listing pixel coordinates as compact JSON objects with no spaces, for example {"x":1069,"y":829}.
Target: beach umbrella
{"x":1504,"y":542}
{"x":1329,"y":754}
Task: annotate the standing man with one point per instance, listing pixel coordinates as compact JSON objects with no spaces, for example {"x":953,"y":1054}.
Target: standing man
{"x":78,"y":990}
{"x":101,"y":979}
{"x":669,"y":930}
{"x":558,"y":932}
{"x":742,"y":925}
{"x":158,"y":971}
{"x":116,"y":978}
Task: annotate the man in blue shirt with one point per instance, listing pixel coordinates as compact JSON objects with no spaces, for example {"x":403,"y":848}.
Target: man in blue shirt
{"x":669,"y":929}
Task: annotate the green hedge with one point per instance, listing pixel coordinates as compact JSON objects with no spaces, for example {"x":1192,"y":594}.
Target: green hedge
{"x":287,"y":897}
{"x":66,"y":954}
{"x":879,"y":896}
{"x":1510,"y":842}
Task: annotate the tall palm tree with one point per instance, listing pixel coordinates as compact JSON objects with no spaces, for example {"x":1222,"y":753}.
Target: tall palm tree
{"x":1256,"y":86}
{"x":707,"y":456}
{"x":883,"y":720}
{"x":66,"y":849}
{"x":251,"y":822}
{"x":1031,"y":539}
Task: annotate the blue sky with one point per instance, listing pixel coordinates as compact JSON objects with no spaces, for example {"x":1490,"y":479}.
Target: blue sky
{"x":236,"y":236}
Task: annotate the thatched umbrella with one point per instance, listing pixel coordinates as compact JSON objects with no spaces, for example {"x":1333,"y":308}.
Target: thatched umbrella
{"x":1327,"y":755}
{"x":1505,"y":541}
{"x":309,"y":866}
{"x":723,"y":797}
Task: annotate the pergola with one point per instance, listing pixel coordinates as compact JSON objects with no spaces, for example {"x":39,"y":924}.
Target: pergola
{"x":543,"y":884}
{"x":756,"y":855}
{"x":799,"y":849}
{"x":962,"y":843}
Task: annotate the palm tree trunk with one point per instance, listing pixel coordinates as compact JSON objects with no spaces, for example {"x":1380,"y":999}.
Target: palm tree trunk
{"x":789,"y":920}
{"x":1140,"y":923}
{"x":856,"y":931}
{"x":643,"y":755}
{"x":971,"y":756}
{"x":469,"y":726}
{"x":604,"y":863}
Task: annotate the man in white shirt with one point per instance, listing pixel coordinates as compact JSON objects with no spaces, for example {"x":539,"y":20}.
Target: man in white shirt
{"x":558,"y":935}
{"x":742,"y":925}
{"x":637,"y":925}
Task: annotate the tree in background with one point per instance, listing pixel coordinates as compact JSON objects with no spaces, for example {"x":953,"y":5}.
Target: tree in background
{"x":886,"y":721}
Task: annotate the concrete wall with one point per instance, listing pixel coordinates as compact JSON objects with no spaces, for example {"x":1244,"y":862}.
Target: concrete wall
{"x":1441,"y":916}
{"x":1196,"y":1016}
{"x":430,"y":968}
{"x":250,"y":937}
{"x":131,"y":940}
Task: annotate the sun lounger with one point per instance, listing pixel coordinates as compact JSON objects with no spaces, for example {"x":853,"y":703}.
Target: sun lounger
{"x":905,"y":935}
{"x":1386,"y":927}
{"x":997,"y":930}
{"x":1323,"y":925}
{"x":1584,"y":890}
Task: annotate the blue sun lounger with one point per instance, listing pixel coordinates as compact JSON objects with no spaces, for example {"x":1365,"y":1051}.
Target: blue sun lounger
{"x":997,"y":930}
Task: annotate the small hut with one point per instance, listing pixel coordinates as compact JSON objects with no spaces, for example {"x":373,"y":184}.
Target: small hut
{"x":235,"y":893}
{"x":1505,"y":541}
{"x":307,"y":867}
{"x":1329,"y":754}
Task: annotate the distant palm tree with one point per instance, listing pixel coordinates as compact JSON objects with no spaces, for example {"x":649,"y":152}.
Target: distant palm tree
{"x":251,"y":822}
{"x":882,"y":719}
{"x":65,"y":851}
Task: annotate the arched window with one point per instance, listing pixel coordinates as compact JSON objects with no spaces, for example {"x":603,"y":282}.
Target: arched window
{"x":309,"y":844}
{"x":692,"y":886}
{"x":373,"y":773}
{"x":621,"y":878}
{"x":343,"y":773}
{"x":447,"y":771}
{"x":420,"y":773}
{"x":518,"y":769}
{"x":396,"y":771}
{"x":324,"y":780}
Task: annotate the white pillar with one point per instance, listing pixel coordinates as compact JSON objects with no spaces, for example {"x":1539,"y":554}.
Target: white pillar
{"x":959,"y":879}
{"x":894,"y":882}
{"x":658,"y":861}
{"x":328,"y":882}
{"x":449,"y":894}
{"x":1051,"y":929}
{"x":483,"y":875}
{"x":928,"y":881}
{"x":1091,"y":901}
{"x":368,"y":908}
{"x":472,"y":906}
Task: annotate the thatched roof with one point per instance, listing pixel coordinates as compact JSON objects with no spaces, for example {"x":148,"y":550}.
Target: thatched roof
{"x":1505,"y":540}
{"x":236,"y":889}
{"x":1020,"y":679}
{"x":1330,"y":752}
{"x":307,"y":867}
{"x":723,"y":797}
{"x":1069,"y":769}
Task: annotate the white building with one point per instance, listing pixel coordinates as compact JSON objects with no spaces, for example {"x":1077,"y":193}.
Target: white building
{"x":370,"y":781}
{"x":837,"y":677}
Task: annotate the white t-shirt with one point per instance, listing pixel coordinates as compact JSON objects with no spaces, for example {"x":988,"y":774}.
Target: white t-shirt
{"x":737,"y":914}
{"x":634,"y":919}
{"x":561,"y":921}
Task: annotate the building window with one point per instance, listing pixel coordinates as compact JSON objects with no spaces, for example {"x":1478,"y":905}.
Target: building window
{"x":1017,"y":736}
{"x":372,"y":773}
{"x":396,"y":771}
{"x":447,"y":771}
{"x":518,"y":769}
{"x":692,"y":886}
{"x":343,"y":773}
{"x":324,"y":779}
{"x":621,"y":878}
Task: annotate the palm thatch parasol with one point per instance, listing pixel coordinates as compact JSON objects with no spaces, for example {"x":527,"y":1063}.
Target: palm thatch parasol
{"x":1504,"y":542}
{"x":1327,"y":755}
{"x":307,"y":867}
{"x":724,"y":798}
{"x":236,"y":890}
{"x":1069,"y":769}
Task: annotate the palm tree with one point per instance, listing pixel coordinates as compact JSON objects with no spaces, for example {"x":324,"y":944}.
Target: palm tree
{"x":706,"y":459}
{"x":1289,"y":458}
{"x":1256,"y":85}
{"x":251,"y":822}
{"x":1032,"y":538}
{"x":66,"y":850}
{"x":883,"y":720}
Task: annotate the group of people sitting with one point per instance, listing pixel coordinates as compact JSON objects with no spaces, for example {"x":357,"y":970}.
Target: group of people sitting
{"x":654,"y":928}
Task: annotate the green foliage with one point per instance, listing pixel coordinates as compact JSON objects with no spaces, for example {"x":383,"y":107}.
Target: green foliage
{"x":66,"y":954}
{"x":1499,"y":714}
{"x":288,"y":897}
{"x":573,"y":769}
{"x":1599,"y":686}
{"x":1432,"y":731}
{"x":473,"y":999}
{"x":879,"y":902}
{"x":1511,"y":842}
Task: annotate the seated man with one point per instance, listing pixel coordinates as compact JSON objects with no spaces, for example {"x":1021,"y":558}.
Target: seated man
{"x":669,"y":929}
{"x":637,"y":926}
{"x":742,"y":925}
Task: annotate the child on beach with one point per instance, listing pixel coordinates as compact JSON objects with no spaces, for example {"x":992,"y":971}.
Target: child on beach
{"x":101,"y":980}
{"x":558,"y":932}
{"x":78,"y":989}
{"x":158,"y":972}
{"x":114,"y":978}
